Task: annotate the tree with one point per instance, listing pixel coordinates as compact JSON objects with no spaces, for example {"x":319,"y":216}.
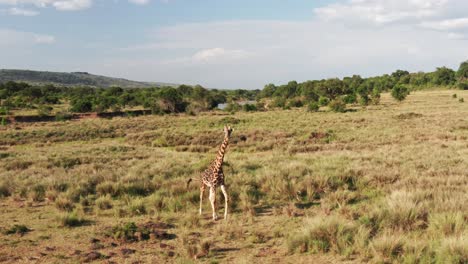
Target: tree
{"x":444,"y":76}
{"x":170,"y":100}
{"x":267,"y":91}
{"x":398,"y":74}
{"x":399,"y":92}
{"x":308,"y":91}
{"x":81,"y":105}
{"x":462,"y":73}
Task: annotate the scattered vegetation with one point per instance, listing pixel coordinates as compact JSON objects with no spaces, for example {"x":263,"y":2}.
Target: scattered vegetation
{"x":323,"y":186}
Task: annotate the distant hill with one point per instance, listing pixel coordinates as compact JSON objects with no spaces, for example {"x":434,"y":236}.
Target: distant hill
{"x":72,"y":79}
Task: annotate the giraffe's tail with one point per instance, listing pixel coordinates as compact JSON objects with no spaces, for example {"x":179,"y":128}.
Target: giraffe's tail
{"x":188,"y":182}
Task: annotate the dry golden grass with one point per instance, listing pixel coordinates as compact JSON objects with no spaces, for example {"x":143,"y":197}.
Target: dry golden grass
{"x":384,"y":184}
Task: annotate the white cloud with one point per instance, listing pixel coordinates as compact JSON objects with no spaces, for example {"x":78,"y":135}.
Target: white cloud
{"x":139,"y":2}
{"x":22,"y":12}
{"x":249,"y":54}
{"x":381,"y":11}
{"x":216,"y":54}
{"x":62,"y":5}
{"x":448,"y":24}
{"x":44,"y":39}
{"x":72,"y":5}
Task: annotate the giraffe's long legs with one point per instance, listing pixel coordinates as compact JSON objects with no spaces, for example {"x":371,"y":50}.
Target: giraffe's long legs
{"x":213,"y":202}
{"x":202,"y":191}
{"x":223,"y":189}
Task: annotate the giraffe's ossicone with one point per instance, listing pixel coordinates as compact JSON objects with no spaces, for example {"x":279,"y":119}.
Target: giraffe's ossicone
{"x":213,"y":176}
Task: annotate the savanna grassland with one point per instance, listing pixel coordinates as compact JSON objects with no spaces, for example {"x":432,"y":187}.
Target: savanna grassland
{"x":384,"y":183}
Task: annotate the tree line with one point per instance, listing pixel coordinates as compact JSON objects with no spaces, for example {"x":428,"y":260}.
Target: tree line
{"x":161,"y":100}
{"x":335,"y":93}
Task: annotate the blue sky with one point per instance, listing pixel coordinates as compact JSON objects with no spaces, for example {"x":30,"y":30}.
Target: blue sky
{"x":232,"y":44}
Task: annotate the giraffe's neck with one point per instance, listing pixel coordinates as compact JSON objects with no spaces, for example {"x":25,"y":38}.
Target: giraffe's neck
{"x":220,"y":157}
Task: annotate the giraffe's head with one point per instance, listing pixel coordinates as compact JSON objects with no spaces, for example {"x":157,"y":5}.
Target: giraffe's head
{"x":227,"y":131}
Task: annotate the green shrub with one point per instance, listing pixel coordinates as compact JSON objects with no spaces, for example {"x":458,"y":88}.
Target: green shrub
{"x":81,"y":105}
{"x":461,"y":100}
{"x":399,"y":92}
{"x":249,"y":108}
{"x":128,"y":232}
{"x":313,"y":107}
{"x":3,"y":122}
{"x":233,"y":107}
{"x":278,"y":102}
{"x":338,"y":106}
{"x":295,"y":103}
{"x":463,"y":85}
{"x":350,"y":99}
{"x":323,"y":101}
{"x":454,"y":95}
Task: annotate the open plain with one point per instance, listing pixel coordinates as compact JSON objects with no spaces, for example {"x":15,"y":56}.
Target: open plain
{"x":384,"y":183}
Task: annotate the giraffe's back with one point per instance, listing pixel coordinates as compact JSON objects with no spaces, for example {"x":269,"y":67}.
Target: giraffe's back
{"x":211,"y":178}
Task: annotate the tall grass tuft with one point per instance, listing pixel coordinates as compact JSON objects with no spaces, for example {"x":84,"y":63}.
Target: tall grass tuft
{"x":330,"y":234}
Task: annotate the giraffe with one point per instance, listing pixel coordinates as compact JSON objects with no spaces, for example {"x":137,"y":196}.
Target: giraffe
{"x":213,"y":177}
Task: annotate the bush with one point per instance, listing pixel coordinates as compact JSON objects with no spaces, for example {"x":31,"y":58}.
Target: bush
{"x":350,"y":99}
{"x":338,"y":106}
{"x":313,"y":107}
{"x":454,"y":95}
{"x":249,"y":108}
{"x":278,"y":102}
{"x":232,"y":107}
{"x":399,"y":92}
{"x":463,"y":85}
{"x":81,"y":105}
{"x":323,"y":101}
{"x":295,"y":103}
{"x":461,"y":100}
{"x":129,"y":232}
